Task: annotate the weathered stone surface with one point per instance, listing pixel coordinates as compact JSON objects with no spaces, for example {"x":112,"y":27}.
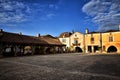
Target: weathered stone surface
{"x":61,"y":67}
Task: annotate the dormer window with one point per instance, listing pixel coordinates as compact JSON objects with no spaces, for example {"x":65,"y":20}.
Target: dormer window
{"x":110,"y":38}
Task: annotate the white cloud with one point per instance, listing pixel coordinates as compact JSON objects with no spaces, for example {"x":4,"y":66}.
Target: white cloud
{"x":106,"y":13}
{"x":18,"y":11}
{"x":13,"y":11}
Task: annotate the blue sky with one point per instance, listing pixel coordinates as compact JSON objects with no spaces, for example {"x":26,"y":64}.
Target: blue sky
{"x":56,"y":16}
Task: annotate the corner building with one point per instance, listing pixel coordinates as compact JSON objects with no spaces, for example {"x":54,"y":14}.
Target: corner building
{"x":105,"y":42}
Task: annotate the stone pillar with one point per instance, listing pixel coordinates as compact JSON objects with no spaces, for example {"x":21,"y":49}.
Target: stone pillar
{"x":86,"y":49}
{"x":92,"y":49}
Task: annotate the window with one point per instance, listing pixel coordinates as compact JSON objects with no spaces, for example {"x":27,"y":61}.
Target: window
{"x":63,"y":40}
{"x":92,"y":40}
{"x":75,"y":41}
{"x":8,"y":49}
{"x":75,"y":35}
{"x":110,"y":38}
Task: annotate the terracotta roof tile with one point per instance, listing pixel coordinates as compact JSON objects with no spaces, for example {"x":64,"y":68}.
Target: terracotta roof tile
{"x":19,"y":39}
{"x":65,"y":34}
{"x":6,"y":37}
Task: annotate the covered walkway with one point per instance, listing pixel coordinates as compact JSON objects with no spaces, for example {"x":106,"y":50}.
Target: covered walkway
{"x":13,"y":44}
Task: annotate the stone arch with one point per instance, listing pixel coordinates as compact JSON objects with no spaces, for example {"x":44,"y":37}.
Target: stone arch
{"x":8,"y":51}
{"x":27,"y":50}
{"x":78,"y":49}
{"x":48,"y":50}
{"x":112,"y":49}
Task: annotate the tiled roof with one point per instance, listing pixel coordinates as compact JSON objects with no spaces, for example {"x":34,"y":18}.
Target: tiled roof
{"x":51,"y":40}
{"x":104,"y":32}
{"x":6,"y":37}
{"x":65,"y":34}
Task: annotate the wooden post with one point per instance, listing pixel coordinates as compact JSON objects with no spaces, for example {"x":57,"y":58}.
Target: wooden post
{"x":1,"y":50}
{"x":33,"y":49}
{"x":15,"y":51}
{"x":54,"y":49}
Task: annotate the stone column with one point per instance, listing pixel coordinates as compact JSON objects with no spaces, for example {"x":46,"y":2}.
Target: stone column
{"x":86,"y":49}
{"x":92,"y":49}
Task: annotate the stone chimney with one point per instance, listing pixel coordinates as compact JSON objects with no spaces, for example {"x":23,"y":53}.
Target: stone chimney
{"x":87,"y":31}
{"x":1,"y":30}
{"x":38,"y":35}
{"x":20,"y":33}
{"x":119,"y":27}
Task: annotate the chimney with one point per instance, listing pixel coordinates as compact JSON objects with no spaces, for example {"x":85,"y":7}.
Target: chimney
{"x":1,"y":30}
{"x":119,"y":27}
{"x":20,"y":33}
{"x":87,"y":31}
{"x":38,"y":35}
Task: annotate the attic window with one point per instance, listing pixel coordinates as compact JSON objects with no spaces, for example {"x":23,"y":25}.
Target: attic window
{"x":110,"y":38}
{"x":92,"y":39}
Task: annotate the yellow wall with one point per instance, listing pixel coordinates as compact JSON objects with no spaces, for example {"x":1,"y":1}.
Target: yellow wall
{"x":105,"y":40}
{"x":96,"y":37}
{"x":115,"y":43}
{"x":88,"y":41}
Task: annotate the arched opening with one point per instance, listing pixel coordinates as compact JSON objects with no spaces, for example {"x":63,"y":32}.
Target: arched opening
{"x":48,"y":50}
{"x":27,"y":50}
{"x":112,"y":49}
{"x":8,"y":51}
{"x":78,"y":49}
{"x":39,"y":50}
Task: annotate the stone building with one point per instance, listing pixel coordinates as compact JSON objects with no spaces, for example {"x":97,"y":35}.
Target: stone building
{"x":77,"y":42}
{"x":13,"y":44}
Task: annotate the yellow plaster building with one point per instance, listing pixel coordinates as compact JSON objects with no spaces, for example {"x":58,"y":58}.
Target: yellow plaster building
{"x":111,"y":41}
{"x":92,"y":42}
{"x":106,"y":42}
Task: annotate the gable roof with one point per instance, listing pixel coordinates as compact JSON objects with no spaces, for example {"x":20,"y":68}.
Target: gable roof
{"x":65,"y":34}
{"x":14,"y":38}
{"x":6,"y":37}
{"x":51,"y":40}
